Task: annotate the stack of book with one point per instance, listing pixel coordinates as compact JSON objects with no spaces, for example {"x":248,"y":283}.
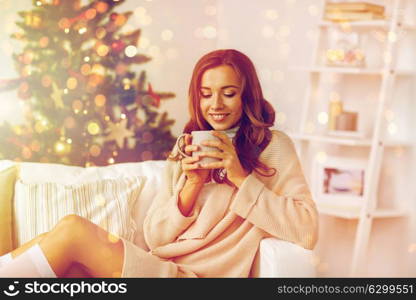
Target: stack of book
{"x":353,"y":11}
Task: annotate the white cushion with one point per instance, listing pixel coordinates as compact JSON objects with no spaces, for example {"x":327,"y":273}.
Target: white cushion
{"x":108,"y":203}
{"x":152,"y":170}
{"x":278,"y":258}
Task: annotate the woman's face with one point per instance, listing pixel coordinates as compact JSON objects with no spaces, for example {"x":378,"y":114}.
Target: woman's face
{"x":220,"y":102}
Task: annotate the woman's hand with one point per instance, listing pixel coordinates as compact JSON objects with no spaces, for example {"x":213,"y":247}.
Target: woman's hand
{"x":191,"y":165}
{"x":228,"y":158}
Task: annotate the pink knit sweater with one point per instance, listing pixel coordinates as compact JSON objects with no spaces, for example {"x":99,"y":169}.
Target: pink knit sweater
{"x":221,"y":236}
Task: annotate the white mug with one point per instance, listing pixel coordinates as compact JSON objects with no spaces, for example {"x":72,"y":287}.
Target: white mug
{"x":202,"y":135}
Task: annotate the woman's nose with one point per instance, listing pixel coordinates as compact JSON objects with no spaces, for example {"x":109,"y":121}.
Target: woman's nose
{"x":217,"y":101}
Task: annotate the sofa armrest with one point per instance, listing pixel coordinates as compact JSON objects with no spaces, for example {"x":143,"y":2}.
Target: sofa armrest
{"x":278,"y":258}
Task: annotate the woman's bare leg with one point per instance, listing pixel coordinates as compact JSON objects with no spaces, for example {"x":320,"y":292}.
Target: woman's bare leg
{"x":16,"y":252}
{"x":76,"y":270}
{"x":77,"y":240}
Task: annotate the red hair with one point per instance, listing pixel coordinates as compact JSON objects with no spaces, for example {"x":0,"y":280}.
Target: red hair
{"x":258,"y":115}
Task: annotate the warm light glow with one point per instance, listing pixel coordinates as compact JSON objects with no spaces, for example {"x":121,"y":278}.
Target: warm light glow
{"x":85,"y":69}
{"x":100,"y":100}
{"x":167,"y":35}
{"x":95,"y":150}
{"x":90,"y":14}
{"x":77,"y":105}
{"x":110,"y":160}
{"x":271,"y":14}
{"x":59,"y":147}
{"x":82,"y":30}
{"x":392,"y":128}
{"x":93,"y":128}
{"x":98,"y":69}
{"x":113,"y":238}
{"x":64,"y":23}
{"x":323,"y":117}
{"x":100,"y":33}
{"x":392,"y":37}
{"x":123,"y":116}
{"x":101,"y":7}
{"x":44,"y":42}
{"x":72,"y":83}
{"x":140,"y":11}
{"x":46,"y":81}
{"x":120,"y":20}
{"x":103,"y":50}
{"x":321,"y":157}
{"x":209,"y":32}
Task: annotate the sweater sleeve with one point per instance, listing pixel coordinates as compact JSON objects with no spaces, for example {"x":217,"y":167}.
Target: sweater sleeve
{"x":283,"y":207}
{"x":164,"y":222}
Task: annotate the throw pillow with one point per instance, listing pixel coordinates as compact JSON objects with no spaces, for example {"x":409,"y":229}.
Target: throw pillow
{"x":38,"y":207}
{"x":7,"y":181}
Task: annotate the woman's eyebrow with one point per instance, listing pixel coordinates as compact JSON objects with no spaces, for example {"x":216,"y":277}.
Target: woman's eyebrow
{"x":224,"y":87}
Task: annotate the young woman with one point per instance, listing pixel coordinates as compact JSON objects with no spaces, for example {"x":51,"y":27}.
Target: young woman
{"x":210,"y":218}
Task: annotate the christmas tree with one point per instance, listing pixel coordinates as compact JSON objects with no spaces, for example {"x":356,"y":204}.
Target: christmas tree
{"x":82,"y":103}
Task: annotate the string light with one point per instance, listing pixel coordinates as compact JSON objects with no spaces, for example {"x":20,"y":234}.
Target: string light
{"x":82,"y":30}
{"x":130,"y":51}
{"x":323,"y":117}
{"x":167,"y":35}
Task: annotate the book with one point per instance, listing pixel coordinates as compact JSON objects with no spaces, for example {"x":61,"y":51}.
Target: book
{"x":355,"y":7}
{"x":353,"y":16}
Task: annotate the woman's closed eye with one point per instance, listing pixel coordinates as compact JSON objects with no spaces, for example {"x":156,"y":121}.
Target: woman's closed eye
{"x":227,"y":94}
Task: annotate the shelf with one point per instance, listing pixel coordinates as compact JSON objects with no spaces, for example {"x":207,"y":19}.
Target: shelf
{"x":342,"y":140}
{"x":364,"y":24}
{"x":358,"y":71}
{"x":354,"y":212}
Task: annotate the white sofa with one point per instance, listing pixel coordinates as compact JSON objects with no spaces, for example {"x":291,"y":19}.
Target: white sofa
{"x":276,"y":258}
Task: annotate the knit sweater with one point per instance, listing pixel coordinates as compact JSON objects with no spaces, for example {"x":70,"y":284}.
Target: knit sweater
{"x":222,"y":235}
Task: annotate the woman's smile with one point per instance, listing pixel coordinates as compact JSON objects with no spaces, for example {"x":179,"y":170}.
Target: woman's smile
{"x":218,"y":117}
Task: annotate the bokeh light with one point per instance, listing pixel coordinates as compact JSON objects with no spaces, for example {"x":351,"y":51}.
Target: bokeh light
{"x":167,"y":35}
{"x":100,"y":100}
{"x":209,"y":32}
{"x":130,"y":51}
{"x":93,"y":128}
{"x":323,"y":117}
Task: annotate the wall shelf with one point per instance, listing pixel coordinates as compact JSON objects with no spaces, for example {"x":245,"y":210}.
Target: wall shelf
{"x":354,"y":213}
{"x":374,"y":141}
{"x":343,"y":141}
{"x":364,"y":24}
{"x":358,"y":71}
